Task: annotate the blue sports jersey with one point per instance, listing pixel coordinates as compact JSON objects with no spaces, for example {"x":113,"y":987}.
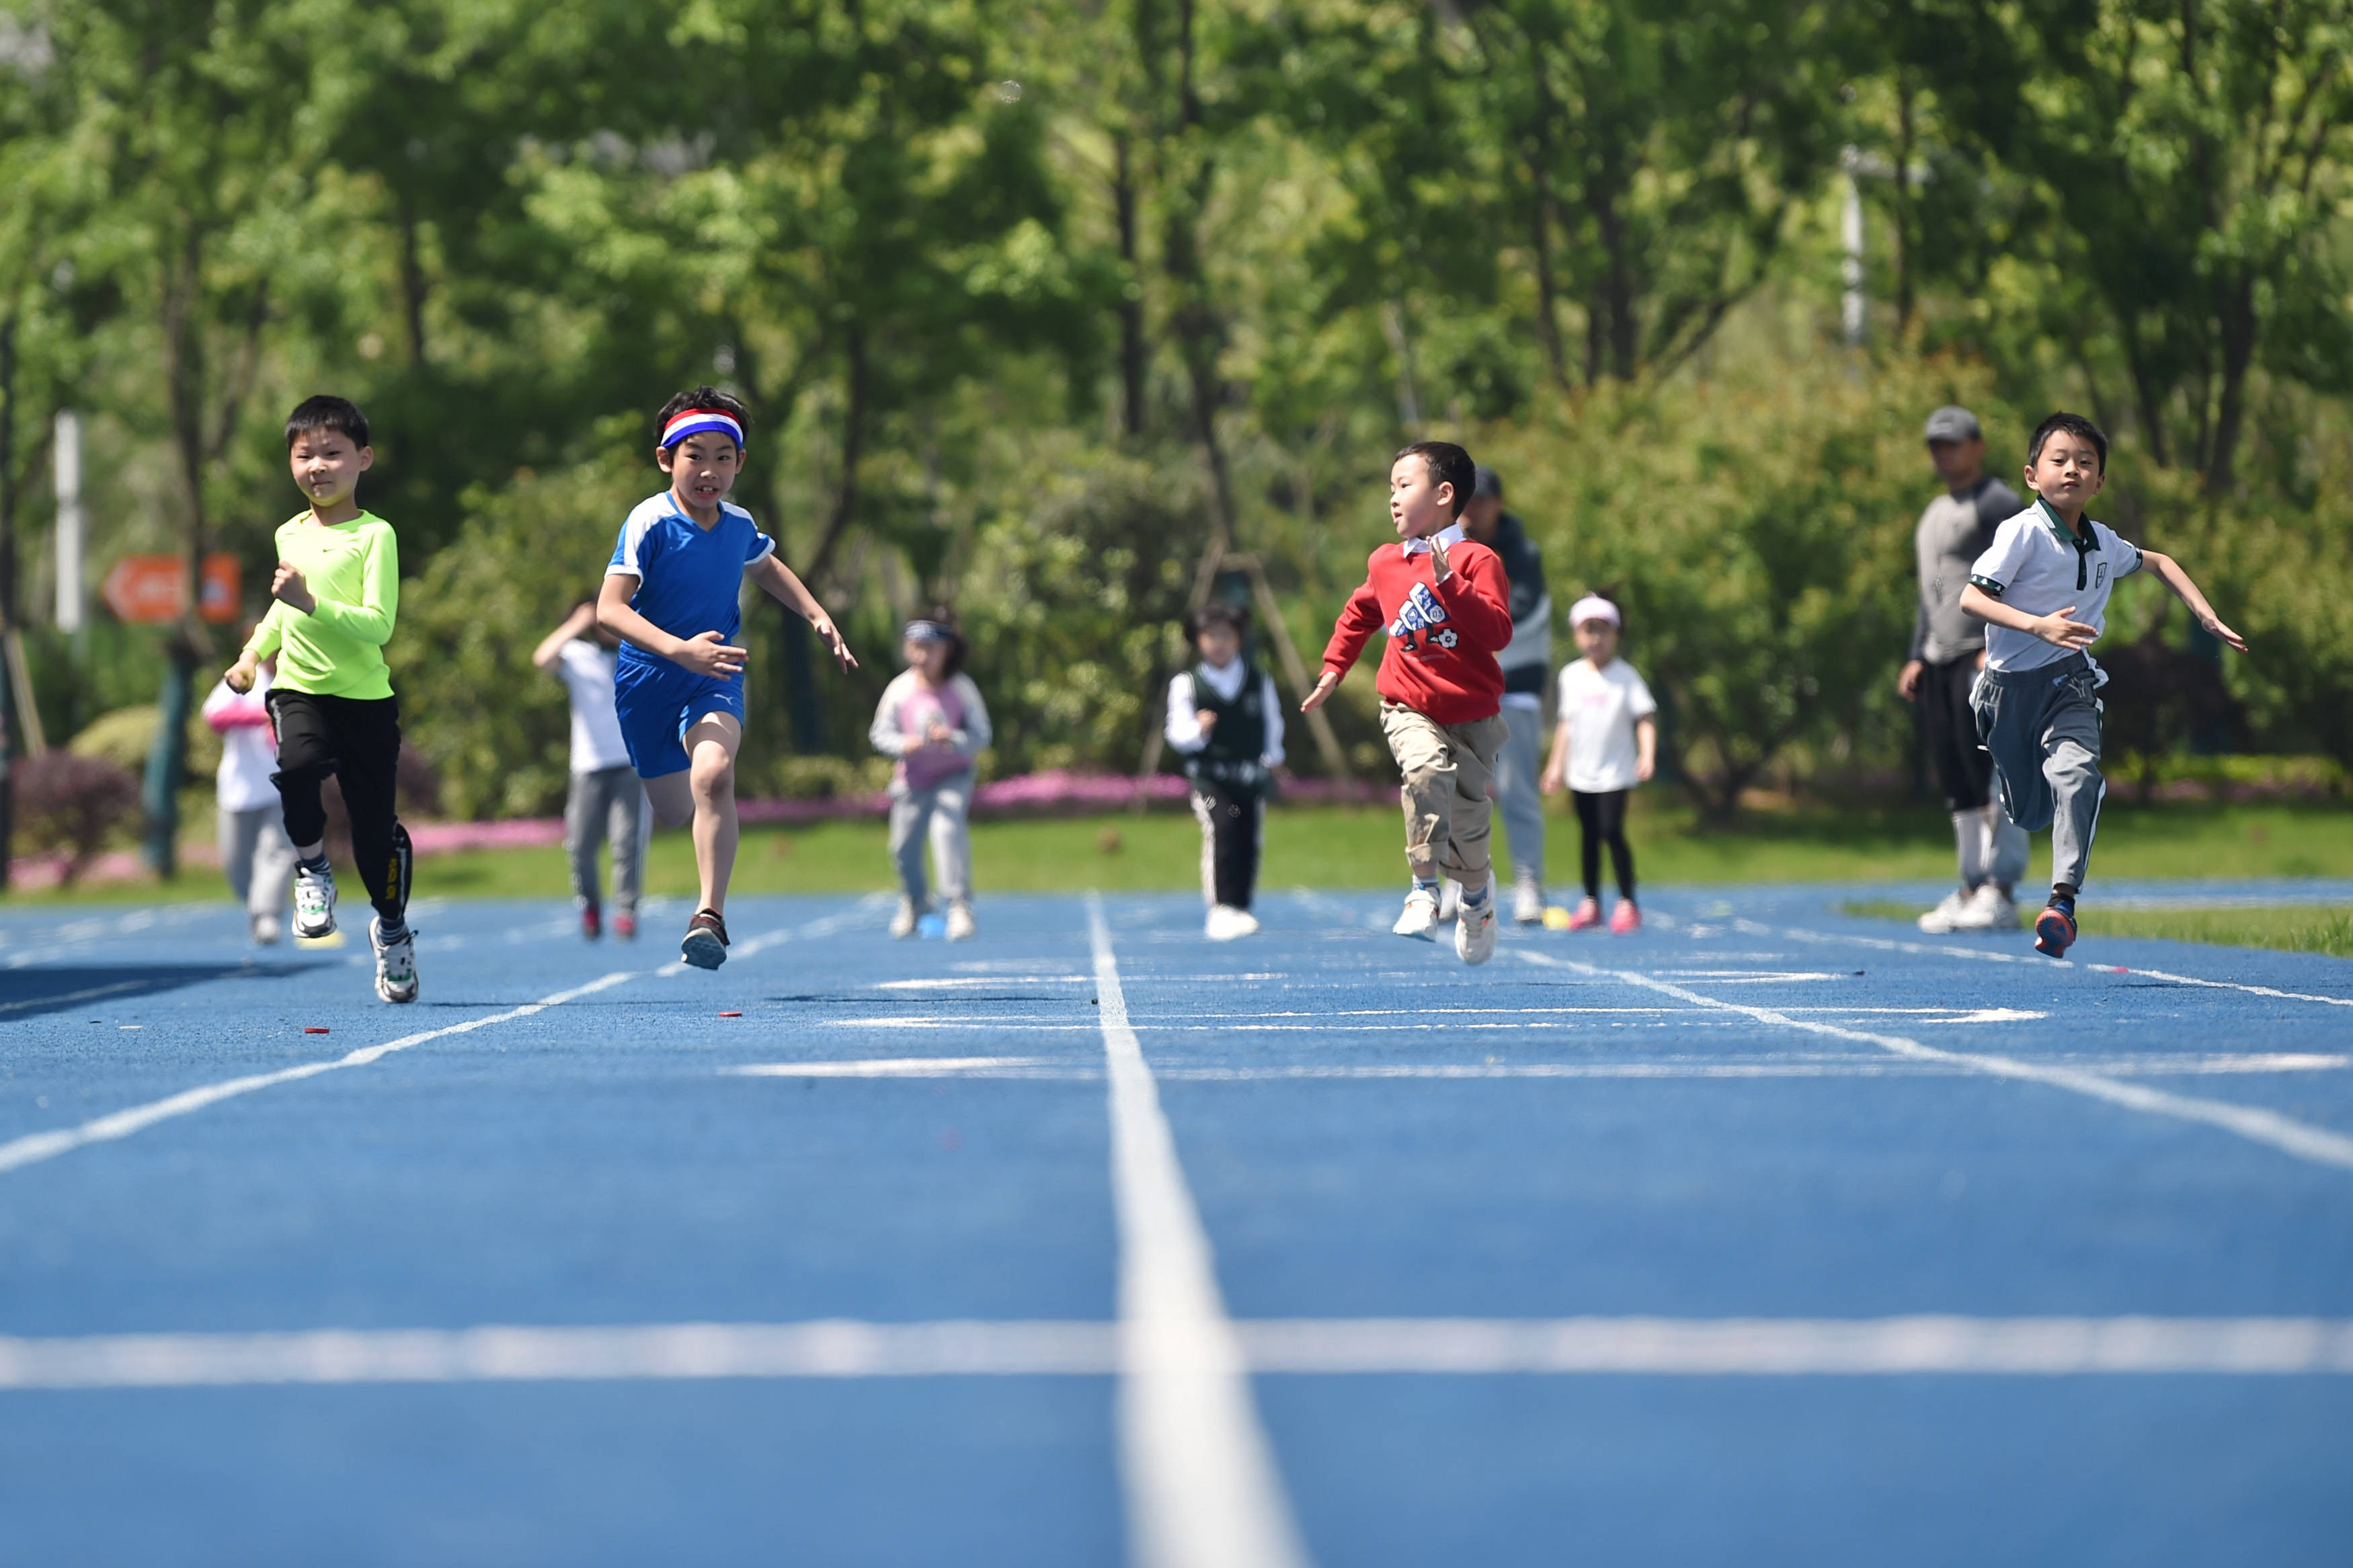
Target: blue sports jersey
{"x":690,"y":578}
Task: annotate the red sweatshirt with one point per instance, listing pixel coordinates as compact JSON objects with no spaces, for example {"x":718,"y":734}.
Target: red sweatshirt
{"x":1443,"y":636}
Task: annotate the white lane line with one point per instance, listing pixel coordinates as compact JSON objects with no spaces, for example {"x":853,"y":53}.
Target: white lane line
{"x":1198,"y":1472}
{"x":85,"y":995}
{"x":1781,"y":1065}
{"x":1722,"y":1347}
{"x":1886,"y":944}
{"x":35,"y":1147}
{"x":2285,"y":1133}
{"x":899,"y":1067}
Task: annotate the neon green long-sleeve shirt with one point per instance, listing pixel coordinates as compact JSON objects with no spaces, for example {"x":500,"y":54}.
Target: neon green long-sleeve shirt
{"x":353,"y":571}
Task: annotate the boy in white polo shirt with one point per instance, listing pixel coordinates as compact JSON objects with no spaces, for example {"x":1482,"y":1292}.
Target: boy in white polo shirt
{"x":2042,"y":590}
{"x":604,"y":800}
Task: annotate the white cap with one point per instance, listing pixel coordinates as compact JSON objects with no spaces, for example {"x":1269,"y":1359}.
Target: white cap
{"x":1593,"y":607}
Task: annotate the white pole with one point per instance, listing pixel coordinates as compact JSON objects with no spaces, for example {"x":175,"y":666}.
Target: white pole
{"x":1851,"y":304}
{"x":67,"y":465}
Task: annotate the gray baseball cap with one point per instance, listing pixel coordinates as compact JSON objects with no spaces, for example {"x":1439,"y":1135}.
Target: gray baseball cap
{"x":1951,"y":423}
{"x":1488,"y":483}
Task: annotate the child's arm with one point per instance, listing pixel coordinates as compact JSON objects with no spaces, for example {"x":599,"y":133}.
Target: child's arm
{"x":575,"y":625}
{"x":973,"y":738}
{"x":1359,"y":619}
{"x":369,"y":621}
{"x":2054,"y":628}
{"x":704,"y":653}
{"x":1478,"y":599}
{"x":788,"y":590}
{"x":1181,"y":724}
{"x":884,"y":733}
{"x":1555,"y":771}
{"x":2169,"y":572}
{"x":1646,"y":747}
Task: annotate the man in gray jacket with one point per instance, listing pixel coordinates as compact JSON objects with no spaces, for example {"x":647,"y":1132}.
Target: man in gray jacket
{"x":1947,"y":650}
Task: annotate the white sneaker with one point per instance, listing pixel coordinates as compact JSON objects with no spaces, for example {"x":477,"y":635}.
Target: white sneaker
{"x":960,"y":926}
{"x":903,"y":924}
{"x":315,"y":901}
{"x":396,"y":962}
{"x":265,"y":929}
{"x":1450,"y":899}
{"x":1987,"y":909}
{"x":1474,"y":933}
{"x":1421,"y":917}
{"x":1941,"y":918}
{"x":1527,"y":901}
{"x":1226,"y":923}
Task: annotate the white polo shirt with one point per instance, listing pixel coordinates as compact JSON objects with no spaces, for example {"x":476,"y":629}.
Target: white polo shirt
{"x":587,"y":672}
{"x":1598,"y":709}
{"x":2036,"y":564}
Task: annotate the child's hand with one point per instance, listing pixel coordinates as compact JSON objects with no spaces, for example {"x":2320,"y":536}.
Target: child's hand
{"x":1552,"y":782}
{"x":2056,"y":629}
{"x":706,"y":654}
{"x":1643,"y":768}
{"x":1439,"y":569}
{"x":939,"y":734}
{"x":288,"y":586}
{"x":240,"y":674}
{"x":824,"y":626}
{"x":2214,"y":626}
{"x":1324,"y":689}
{"x":1207,"y":719}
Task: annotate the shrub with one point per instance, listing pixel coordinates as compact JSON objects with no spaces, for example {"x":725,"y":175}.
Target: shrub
{"x":125,"y":736}
{"x":72,"y":803}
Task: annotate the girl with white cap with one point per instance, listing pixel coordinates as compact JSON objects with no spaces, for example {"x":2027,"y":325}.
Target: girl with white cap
{"x":1606,"y":743}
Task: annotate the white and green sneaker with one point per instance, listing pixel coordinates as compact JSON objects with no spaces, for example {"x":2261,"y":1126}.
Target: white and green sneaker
{"x":396,"y":962}
{"x":314,"y":899}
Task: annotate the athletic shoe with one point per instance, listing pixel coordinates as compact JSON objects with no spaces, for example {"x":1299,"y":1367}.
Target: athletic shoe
{"x":1225,"y":923}
{"x":265,"y":929}
{"x":1987,"y":909}
{"x":903,"y":924}
{"x":1625,"y":918}
{"x":1474,"y":930}
{"x":1449,"y":898}
{"x":1527,"y":901}
{"x":960,"y":926}
{"x":1946,"y":913}
{"x":395,"y":961}
{"x":2054,"y":928}
{"x":1587,"y":916}
{"x":705,"y":946}
{"x":625,"y":926}
{"x":592,"y":924}
{"x":314,"y":900}
{"x":1421,"y":917}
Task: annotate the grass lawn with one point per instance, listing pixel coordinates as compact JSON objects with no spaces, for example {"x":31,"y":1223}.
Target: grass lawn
{"x":2290,"y":929}
{"x":1362,"y":848}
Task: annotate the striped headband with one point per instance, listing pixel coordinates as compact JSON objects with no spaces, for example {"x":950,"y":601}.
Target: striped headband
{"x":699,"y":422}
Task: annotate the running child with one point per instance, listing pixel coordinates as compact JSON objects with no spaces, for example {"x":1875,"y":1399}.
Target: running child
{"x":1225,"y":720}
{"x":933,"y":721}
{"x":337,"y":589}
{"x":255,"y":854}
{"x":1606,"y":742}
{"x":1444,"y":603}
{"x":2042,"y":589}
{"x":604,"y":800}
{"x":673,"y":596}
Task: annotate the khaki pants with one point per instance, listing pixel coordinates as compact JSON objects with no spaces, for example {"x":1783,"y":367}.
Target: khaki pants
{"x":1447,"y":769}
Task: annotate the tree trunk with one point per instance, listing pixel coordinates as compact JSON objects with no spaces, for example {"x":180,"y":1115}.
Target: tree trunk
{"x":412,"y":284}
{"x":1131,"y":305}
{"x":1540,"y":237}
{"x":808,"y":718}
{"x":2239,"y":328}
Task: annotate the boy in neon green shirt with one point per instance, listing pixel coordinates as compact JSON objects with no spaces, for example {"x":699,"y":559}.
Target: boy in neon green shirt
{"x":337,"y":589}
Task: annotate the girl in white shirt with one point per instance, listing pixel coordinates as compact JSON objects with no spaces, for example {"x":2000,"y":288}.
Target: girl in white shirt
{"x":1606,"y":743}
{"x":931,"y":719}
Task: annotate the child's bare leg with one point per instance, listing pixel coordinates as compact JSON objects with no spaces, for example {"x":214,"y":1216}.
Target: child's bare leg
{"x":711,"y":743}
{"x":672,"y":798}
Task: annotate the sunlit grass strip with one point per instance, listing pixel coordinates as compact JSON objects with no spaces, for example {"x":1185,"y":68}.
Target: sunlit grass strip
{"x":2305,"y":928}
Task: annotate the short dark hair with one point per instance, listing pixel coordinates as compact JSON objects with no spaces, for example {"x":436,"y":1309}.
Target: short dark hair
{"x":2075,"y":425}
{"x":324,"y":412}
{"x":1449,"y":465}
{"x":703,"y":398}
{"x":1216,"y":613}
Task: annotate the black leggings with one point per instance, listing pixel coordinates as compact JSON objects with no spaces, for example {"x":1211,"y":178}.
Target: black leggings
{"x":357,"y":738}
{"x":1603,"y":816}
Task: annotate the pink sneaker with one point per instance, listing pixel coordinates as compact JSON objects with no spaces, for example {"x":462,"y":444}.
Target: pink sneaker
{"x":1588,"y":915}
{"x":1625,"y":917}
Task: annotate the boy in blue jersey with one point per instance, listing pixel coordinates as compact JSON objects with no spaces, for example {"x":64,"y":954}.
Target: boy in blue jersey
{"x":672,"y":594}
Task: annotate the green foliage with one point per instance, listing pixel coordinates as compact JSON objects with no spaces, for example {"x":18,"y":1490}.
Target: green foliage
{"x":125,"y":736}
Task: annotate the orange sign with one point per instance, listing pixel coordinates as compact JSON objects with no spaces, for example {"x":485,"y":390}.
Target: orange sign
{"x":154,"y":589}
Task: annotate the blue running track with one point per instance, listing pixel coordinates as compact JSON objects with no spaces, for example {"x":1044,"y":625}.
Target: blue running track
{"x":1761,"y":1236}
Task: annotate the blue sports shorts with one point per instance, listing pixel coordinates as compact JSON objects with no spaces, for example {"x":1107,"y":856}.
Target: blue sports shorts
{"x":657,"y":701}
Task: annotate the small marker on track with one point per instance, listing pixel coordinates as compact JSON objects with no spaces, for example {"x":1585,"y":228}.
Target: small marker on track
{"x":731,"y":1015}
{"x":314,"y":1028}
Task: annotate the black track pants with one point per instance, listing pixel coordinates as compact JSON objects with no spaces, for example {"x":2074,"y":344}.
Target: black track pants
{"x":1232,"y":820}
{"x":1950,"y":729}
{"x":1603,"y":818}
{"x":357,"y":738}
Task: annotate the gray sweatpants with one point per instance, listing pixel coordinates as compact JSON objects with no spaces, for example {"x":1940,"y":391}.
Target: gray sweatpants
{"x":610,"y":804}
{"x":2043,"y":729}
{"x":256,"y":857}
{"x":1519,"y":794}
{"x":941,"y":808}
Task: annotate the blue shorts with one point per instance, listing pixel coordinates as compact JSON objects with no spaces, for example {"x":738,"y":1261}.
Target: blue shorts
{"x":658,"y":701}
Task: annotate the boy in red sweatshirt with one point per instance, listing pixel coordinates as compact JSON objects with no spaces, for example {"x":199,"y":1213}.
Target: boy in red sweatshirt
{"x":1446,"y":605}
